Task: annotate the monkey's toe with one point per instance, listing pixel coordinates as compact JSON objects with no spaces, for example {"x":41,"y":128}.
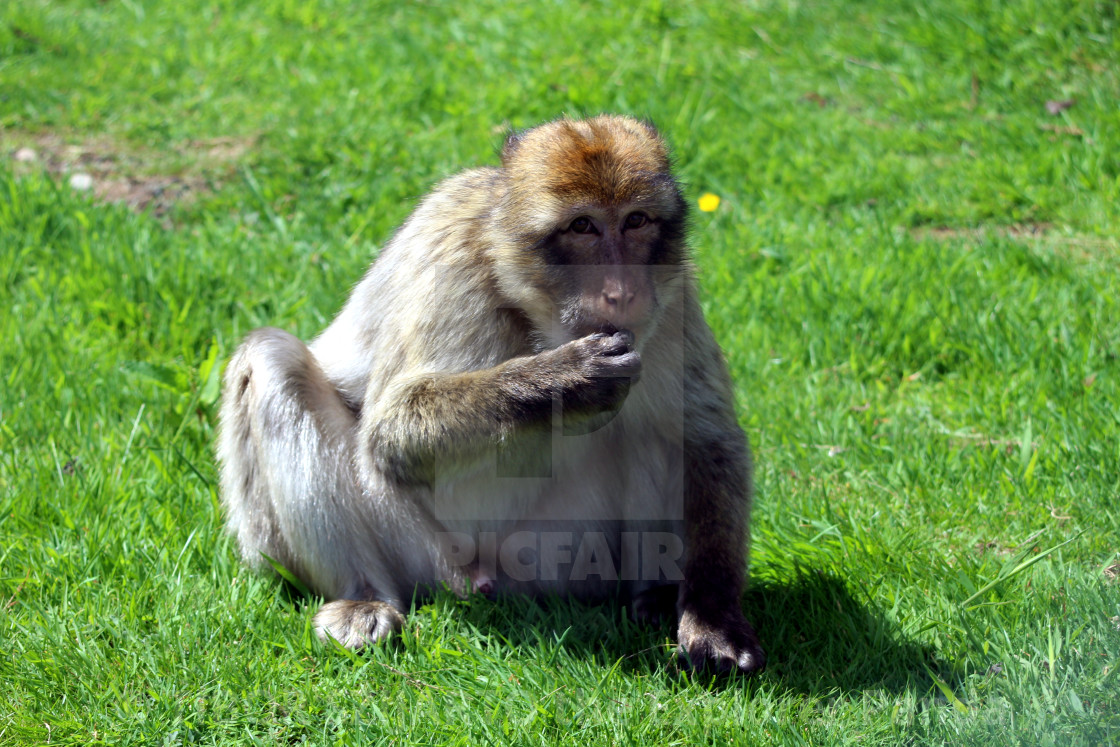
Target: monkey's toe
{"x":731,"y":648}
{"x":355,"y":624}
{"x":717,"y":657}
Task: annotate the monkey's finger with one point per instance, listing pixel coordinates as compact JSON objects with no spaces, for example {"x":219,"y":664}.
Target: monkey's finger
{"x":627,"y":364}
{"x":620,"y":343}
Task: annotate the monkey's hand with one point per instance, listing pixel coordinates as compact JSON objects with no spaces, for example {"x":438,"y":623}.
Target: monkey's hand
{"x":356,"y":624}
{"x":595,"y":372}
{"x":723,"y":643}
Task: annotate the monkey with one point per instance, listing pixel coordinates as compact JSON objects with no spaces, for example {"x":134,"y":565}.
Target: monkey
{"x":520,"y":396}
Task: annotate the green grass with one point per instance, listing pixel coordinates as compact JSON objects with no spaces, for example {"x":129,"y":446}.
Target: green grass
{"x":914,"y":271}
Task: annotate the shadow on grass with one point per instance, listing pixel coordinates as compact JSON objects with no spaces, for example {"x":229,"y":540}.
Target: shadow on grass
{"x":820,"y":640}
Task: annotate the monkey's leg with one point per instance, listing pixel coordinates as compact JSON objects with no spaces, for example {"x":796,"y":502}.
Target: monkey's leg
{"x":290,"y":488}
{"x":712,"y":631}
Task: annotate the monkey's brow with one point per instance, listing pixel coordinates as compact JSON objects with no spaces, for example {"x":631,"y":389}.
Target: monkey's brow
{"x":624,"y":187}
{"x":645,"y":189}
{"x":659,"y":179}
{"x":654,"y":203}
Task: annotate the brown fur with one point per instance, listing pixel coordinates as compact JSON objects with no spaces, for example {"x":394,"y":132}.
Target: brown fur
{"x":525,"y":362}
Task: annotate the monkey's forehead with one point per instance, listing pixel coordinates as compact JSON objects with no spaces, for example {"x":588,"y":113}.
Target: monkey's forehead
{"x":607,"y":175}
{"x":574,"y":155}
{"x":611,"y":187}
{"x":572,"y":187}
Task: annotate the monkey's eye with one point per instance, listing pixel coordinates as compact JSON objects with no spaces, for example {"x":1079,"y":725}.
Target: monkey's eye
{"x":582,"y":225}
{"x":636,"y":220}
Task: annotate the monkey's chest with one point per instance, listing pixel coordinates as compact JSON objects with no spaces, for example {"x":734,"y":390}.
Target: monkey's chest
{"x":570,"y":479}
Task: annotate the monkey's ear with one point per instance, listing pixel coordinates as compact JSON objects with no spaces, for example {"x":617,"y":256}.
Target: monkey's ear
{"x":512,"y":143}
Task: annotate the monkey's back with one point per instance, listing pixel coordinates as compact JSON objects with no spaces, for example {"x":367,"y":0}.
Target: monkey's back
{"x":429,"y":288}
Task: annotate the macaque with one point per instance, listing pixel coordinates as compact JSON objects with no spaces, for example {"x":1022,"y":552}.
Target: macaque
{"x":521,"y":396}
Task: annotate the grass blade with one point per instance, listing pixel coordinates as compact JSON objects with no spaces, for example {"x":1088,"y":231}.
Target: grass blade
{"x":1016,"y":571}
{"x":289,"y":577}
{"x":947,"y":692}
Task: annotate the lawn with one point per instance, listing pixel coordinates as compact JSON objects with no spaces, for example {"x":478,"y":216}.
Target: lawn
{"x":914,"y":271}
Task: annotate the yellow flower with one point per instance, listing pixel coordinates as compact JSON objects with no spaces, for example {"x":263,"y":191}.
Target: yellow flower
{"x":708,"y":202}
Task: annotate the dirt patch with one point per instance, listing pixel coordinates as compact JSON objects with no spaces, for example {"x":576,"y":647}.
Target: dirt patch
{"x":1112,"y":573}
{"x":1085,"y":247}
{"x":948,"y":233}
{"x":143,"y":179}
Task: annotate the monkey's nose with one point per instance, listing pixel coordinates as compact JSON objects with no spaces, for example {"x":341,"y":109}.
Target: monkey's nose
{"x":617,"y":300}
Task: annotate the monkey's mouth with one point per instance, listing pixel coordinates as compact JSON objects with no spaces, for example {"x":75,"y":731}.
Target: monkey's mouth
{"x":602,"y":327}
{"x":585,"y":324}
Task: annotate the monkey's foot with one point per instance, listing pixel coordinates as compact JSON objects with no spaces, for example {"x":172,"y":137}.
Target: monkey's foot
{"x":485,"y":585}
{"x":655,"y":606}
{"x":727,"y":647}
{"x":465,"y":581}
{"x":355,"y":624}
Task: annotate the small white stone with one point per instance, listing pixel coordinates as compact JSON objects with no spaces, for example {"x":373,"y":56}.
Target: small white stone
{"x":25,"y":155}
{"x":81,"y":182}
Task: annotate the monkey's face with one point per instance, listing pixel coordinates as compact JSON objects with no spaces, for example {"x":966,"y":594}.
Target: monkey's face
{"x":601,"y":268}
{"x":595,"y":226}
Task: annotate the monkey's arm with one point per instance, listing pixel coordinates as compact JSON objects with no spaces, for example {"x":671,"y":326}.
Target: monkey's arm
{"x":712,"y":630}
{"x":422,"y":418}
